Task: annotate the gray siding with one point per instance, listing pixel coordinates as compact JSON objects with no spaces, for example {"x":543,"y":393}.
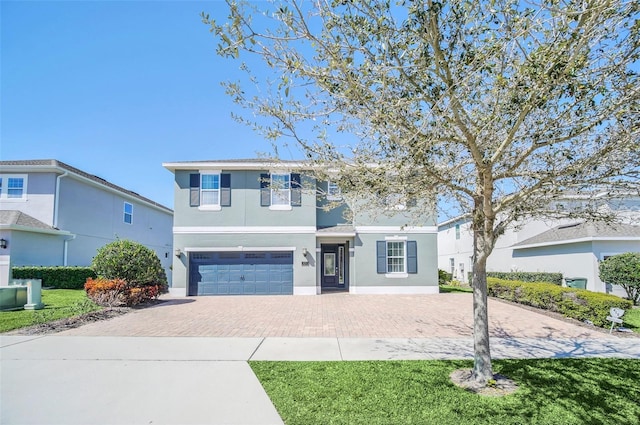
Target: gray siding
{"x":36,"y":249}
{"x":245,"y":209}
{"x":365,"y":261}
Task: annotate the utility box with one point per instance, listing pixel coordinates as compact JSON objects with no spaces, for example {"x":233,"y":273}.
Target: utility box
{"x":576,"y":282}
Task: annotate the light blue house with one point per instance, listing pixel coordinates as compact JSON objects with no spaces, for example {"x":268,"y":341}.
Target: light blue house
{"x":53,"y":214}
{"x":258,"y":227}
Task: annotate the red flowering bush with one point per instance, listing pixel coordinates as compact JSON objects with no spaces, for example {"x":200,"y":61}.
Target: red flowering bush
{"x":117,"y":292}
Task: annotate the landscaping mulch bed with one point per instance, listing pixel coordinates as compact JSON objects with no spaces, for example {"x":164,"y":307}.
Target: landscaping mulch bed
{"x":71,"y":322}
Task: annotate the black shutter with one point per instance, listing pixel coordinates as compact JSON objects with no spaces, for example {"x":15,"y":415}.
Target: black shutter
{"x":225,"y":190}
{"x":412,"y":257}
{"x":265,"y":192}
{"x":194,"y":190}
{"x":296,"y":190}
{"x":381,"y":254}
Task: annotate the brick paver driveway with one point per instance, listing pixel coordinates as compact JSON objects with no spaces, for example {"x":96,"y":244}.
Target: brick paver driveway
{"x":339,"y":315}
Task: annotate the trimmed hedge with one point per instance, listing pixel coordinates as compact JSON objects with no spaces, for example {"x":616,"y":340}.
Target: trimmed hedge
{"x":536,"y":277}
{"x":578,"y":304}
{"x":60,"y":277}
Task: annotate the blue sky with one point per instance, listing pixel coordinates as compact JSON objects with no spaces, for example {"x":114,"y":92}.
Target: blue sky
{"x":116,"y":88}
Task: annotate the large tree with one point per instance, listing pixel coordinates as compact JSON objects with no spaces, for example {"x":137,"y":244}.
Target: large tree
{"x":497,"y":107}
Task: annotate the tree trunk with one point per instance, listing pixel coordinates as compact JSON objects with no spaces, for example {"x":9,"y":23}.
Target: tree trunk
{"x":482,"y":370}
{"x":482,"y":247}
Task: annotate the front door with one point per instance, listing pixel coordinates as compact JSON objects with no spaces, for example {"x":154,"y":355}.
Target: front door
{"x":334,"y":267}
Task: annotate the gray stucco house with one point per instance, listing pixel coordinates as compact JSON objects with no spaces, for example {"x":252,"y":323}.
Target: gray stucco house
{"x":258,"y":227}
{"x":53,"y":214}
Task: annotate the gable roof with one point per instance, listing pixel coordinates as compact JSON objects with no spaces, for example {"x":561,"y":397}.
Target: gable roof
{"x":17,"y":220}
{"x":582,"y":232}
{"x":53,"y":165}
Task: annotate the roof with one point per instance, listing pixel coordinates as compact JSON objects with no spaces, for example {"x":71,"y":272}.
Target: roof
{"x":343,"y":230}
{"x":56,"y":166}
{"x":236,"y":164}
{"x":582,"y":232}
{"x":17,"y":220}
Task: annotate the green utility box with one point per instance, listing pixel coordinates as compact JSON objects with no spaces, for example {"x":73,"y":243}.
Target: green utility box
{"x":576,"y":282}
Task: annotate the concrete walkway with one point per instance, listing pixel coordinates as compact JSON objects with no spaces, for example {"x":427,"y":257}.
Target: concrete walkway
{"x":185,"y":360}
{"x":200,"y":380}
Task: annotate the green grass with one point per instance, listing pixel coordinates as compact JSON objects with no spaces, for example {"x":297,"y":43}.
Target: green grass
{"x":560,"y":391}
{"x":451,"y":288}
{"x":632,"y":319}
{"x":59,"y":304}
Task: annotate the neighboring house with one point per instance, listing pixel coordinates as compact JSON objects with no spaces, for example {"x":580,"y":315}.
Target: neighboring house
{"x":52,"y":214}
{"x":258,"y":227}
{"x":568,"y":247}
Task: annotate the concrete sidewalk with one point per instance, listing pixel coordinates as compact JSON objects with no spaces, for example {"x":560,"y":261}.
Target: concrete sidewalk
{"x":199,"y":380}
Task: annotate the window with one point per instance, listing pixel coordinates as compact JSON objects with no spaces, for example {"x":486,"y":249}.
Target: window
{"x":457,"y":231}
{"x":280,"y":189}
{"x":13,"y":187}
{"x":333,"y":191}
{"x":452,"y":266}
{"x":210,"y":189}
{"x":397,"y":258}
{"x":128,"y":213}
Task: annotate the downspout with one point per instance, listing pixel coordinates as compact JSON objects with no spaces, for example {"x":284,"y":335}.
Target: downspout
{"x":66,"y":247}
{"x":56,"y":204}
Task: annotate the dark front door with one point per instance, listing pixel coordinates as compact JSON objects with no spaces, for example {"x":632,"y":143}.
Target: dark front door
{"x":334,"y":266}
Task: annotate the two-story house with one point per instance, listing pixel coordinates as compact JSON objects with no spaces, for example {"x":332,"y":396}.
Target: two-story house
{"x":573,"y":248}
{"x":258,"y":227}
{"x":53,"y":214}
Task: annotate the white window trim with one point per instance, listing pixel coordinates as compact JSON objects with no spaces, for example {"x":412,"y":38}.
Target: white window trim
{"x":334,"y":197}
{"x":4,"y":191}
{"x":210,"y":207}
{"x":279,"y":207}
{"x":124,"y":212}
{"x":403,"y":274}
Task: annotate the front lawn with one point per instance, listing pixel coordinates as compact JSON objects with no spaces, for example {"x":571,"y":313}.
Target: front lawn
{"x":560,"y":391}
{"x":632,"y":319}
{"x":59,"y":304}
{"x":453,"y":288}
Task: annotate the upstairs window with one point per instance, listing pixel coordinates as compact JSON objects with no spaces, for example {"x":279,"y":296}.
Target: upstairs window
{"x":333,"y":191}
{"x":280,"y":191}
{"x":13,"y":187}
{"x":457,"y":231}
{"x":210,"y":190}
{"x":128,"y":213}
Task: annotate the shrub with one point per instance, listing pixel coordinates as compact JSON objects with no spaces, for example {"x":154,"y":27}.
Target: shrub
{"x":132,"y":262}
{"x":60,"y":277}
{"x":575,"y":303}
{"x":537,"y":277}
{"x":443,"y":277}
{"x":117,"y":292}
{"x":623,"y":270}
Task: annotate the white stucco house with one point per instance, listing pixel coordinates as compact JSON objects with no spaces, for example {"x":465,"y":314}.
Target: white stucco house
{"x":53,"y":214}
{"x":573,"y":248}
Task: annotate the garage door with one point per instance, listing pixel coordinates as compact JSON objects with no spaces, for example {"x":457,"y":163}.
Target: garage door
{"x":241,"y":273}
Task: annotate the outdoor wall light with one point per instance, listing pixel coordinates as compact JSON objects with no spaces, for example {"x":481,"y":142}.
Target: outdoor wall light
{"x":177,"y":252}
{"x":305,"y":252}
{"x":3,"y":243}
